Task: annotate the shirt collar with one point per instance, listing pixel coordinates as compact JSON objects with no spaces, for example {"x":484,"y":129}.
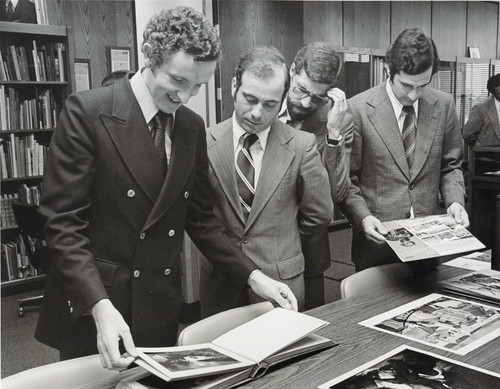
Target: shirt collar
{"x":396,"y":105}
{"x":238,"y":132}
{"x":144,"y":97}
{"x":497,"y":104}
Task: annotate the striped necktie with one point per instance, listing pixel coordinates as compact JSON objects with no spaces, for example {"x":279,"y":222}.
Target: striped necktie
{"x":245,"y":173}
{"x":408,"y":133}
{"x":161,"y":121}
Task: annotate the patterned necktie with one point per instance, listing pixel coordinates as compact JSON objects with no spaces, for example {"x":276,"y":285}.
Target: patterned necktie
{"x":10,"y":10}
{"x":408,"y":134}
{"x":245,"y":176}
{"x":161,"y":122}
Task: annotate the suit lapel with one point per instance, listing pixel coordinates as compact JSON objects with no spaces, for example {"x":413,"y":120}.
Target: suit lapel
{"x":130,"y":134}
{"x":277,"y":159}
{"x":426,"y":125}
{"x":381,"y":115}
{"x":182,"y":162}
{"x":491,"y":110}
{"x":221,"y":156}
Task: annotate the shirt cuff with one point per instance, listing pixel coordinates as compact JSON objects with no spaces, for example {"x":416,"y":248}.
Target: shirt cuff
{"x":334,"y":142}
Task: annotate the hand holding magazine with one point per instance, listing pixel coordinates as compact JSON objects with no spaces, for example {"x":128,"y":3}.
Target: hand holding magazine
{"x":429,"y":237}
{"x":273,"y":337}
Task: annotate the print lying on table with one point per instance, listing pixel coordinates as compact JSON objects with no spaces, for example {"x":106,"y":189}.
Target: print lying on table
{"x":408,"y":367}
{"x":440,"y":321}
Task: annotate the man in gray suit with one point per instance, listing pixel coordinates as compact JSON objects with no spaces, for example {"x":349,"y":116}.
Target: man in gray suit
{"x":290,"y":191}
{"x":315,"y":104}
{"x":406,"y":152}
{"x":483,"y":126}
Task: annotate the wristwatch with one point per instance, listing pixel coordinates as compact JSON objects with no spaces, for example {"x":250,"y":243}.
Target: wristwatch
{"x":334,"y":142}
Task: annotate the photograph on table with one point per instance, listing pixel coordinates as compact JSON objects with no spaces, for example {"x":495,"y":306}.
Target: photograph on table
{"x":441,"y":321}
{"x":408,"y":367}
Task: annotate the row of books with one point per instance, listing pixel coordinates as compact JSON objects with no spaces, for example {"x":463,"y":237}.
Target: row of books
{"x":40,"y":61}
{"x":21,"y":156}
{"x":15,"y":262}
{"x":30,"y":195}
{"x":25,"y":113}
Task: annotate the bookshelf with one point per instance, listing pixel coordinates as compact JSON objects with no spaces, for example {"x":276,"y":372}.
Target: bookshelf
{"x":35,"y":78}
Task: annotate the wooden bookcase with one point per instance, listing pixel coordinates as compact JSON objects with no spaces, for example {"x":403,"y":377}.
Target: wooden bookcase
{"x":36,"y":78}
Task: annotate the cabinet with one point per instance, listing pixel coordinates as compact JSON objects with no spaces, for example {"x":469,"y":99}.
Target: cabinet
{"x":35,"y":78}
{"x":484,"y":185}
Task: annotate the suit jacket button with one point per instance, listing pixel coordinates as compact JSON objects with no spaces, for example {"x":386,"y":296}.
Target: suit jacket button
{"x":412,"y":186}
{"x":244,"y":239}
{"x":137,"y":273}
{"x":186,"y":194}
{"x":167,"y":272}
{"x":131,"y":193}
{"x":142,"y":236}
{"x":171,"y":233}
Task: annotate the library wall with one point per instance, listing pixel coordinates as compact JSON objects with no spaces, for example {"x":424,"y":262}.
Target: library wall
{"x":96,"y":25}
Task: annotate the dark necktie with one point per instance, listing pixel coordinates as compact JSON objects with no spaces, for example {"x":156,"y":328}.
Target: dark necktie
{"x":161,"y":122}
{"x":408,"y":133}
{"x":245,"y":176}
{"x":10,"y":11}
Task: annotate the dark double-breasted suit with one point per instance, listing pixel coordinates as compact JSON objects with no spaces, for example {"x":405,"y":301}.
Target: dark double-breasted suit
{"x":115,"y":225}
{"x":382,"y":185}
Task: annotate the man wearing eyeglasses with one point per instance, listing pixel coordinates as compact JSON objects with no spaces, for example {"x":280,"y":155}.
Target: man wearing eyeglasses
{"x":314,"y":104}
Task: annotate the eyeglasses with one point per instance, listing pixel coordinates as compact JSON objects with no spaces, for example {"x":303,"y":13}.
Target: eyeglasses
{"x":302,"y":93}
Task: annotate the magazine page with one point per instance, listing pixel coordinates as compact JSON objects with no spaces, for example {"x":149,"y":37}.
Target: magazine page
{"x":479,"y":260}
{"x":444,"y":322}
{"x":171,"y":363}
{"x":409,"y":367}
{"x":484,"y":284}
{"x":428,"y":237}
{"x":269,"y":333}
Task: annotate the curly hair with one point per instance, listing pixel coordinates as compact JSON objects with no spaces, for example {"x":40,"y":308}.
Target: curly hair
{"x":262,"y":62}
{"x":412,"y":53}
{"x":493,"y":82}
{"x":180,"y":28}
{"x":320,"y":62}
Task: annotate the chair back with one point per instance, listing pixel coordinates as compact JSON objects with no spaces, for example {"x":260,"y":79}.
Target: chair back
{"x":31,"y":225}
{"x":61,"y":375}
{"x":210,"y":328}
{"x":375,"y":278}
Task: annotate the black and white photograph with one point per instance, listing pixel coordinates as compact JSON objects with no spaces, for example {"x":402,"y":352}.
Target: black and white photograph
{"x":173,"y":170}
{"x":408,"y":367}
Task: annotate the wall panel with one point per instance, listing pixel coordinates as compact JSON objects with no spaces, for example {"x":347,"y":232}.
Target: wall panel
{"x":448,"y":32}
{"x":367,"y":24}
{"x":410,"y":14}
{"x":95,"y":25}
{"x":482,"y":27}
{"x":323,"y":22}
{"x":245,"y":24}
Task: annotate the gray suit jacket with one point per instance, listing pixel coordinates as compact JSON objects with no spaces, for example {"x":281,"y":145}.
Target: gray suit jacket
{"x":381,"y":182}
{"x":292,"y":199}
{"x":482,"y":127}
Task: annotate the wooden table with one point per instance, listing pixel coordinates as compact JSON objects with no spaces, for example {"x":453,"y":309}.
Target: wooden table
{"x":357,"y":344}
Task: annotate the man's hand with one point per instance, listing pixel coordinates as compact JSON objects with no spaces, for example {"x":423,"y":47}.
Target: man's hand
{"x":336,"y":113}
{"x":270,"y":289}
{"x":372,"y":227}
{"x":110,"y":329}
{"x":456,"y":211}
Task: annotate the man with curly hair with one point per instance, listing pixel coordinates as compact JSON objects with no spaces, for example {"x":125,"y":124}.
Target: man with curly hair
{"x":127,"y":172}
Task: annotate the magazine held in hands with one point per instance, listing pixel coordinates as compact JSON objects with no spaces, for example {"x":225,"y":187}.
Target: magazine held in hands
{"x":429,"y":237}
